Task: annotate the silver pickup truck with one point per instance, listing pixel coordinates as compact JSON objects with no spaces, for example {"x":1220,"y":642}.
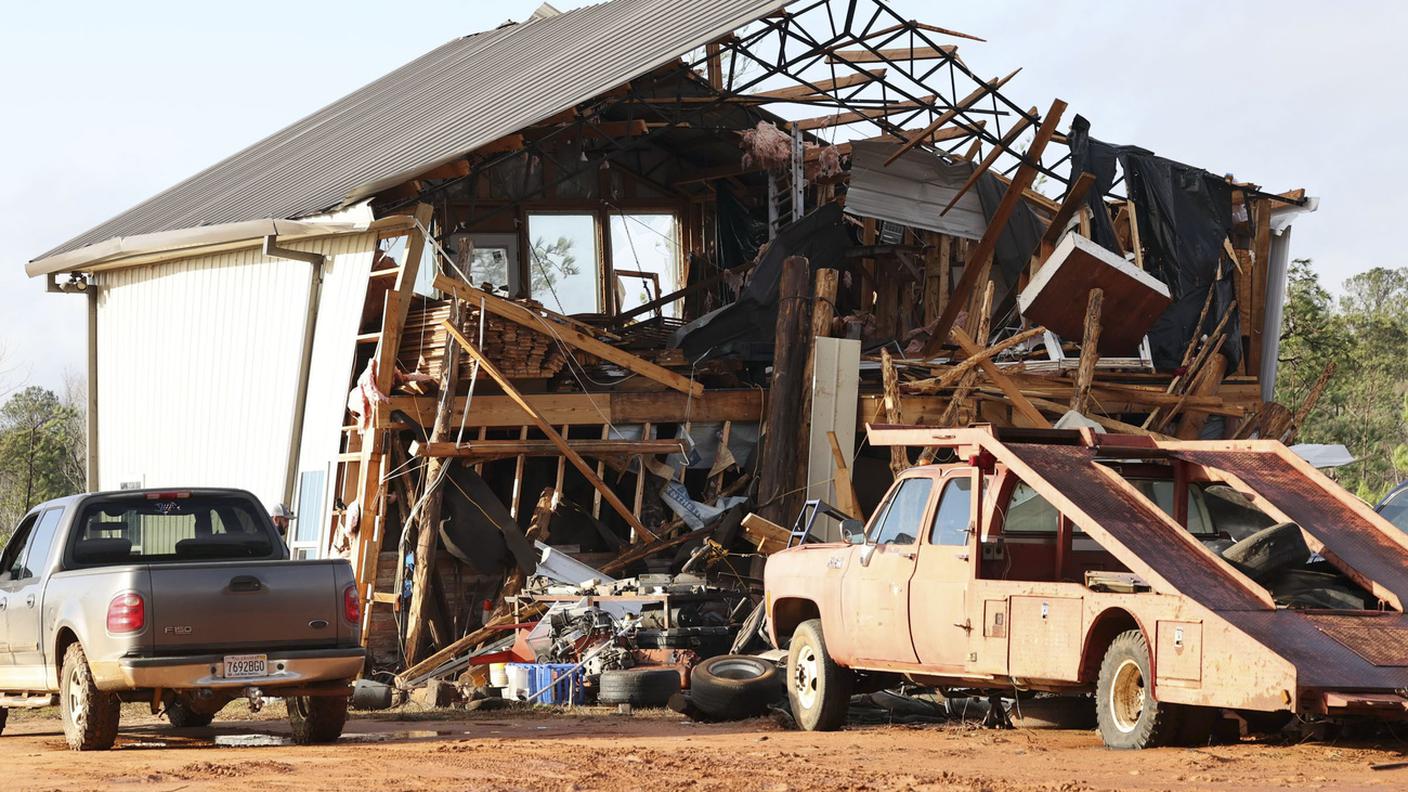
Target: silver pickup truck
{"x":182,"y":599}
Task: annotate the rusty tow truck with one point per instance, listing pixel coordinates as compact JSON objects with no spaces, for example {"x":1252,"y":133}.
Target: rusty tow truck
{"x":1176,"y":582}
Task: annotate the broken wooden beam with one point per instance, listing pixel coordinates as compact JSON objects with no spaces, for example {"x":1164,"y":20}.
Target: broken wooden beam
{"x":951,"y":377}
{"x":962,"y":105}
{"x":532,"y":320}
{"x":1020,"y":403}
{"x":552,"y":434}
{"x":1089,"y":351}
{"x":495,"y":449}
{"x":982,"y":167}
{"x":891,"y":55}
{"x":819,"y":87}
{"x":854,"y":116}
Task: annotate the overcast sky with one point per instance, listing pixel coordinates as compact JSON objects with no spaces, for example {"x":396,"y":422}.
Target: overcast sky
{"x":108,"y":103}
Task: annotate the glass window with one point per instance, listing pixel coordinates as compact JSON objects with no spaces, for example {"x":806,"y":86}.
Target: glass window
{"x":41,"y":547}
{"x":563,"y":262}
{"x":954,"y":514}
{"x":1395,"y":509}
{"x":12,"y":562}
{"x":1030,"y":513}
{"x":645,"y":260}
{"x":1161,"y":493}
{"x":179,"y":528}
{"x":487,"y":258}
{"x":904,"y":514}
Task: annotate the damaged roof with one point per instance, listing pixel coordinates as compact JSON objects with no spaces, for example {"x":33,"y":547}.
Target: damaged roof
{"x":452,"y":100}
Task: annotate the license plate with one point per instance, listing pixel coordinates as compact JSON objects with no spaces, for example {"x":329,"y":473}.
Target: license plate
{"x":250,"y":665}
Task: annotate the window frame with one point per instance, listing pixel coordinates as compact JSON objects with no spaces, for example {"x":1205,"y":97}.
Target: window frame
{"x":970,"y":528}
{"x":884,"y":512}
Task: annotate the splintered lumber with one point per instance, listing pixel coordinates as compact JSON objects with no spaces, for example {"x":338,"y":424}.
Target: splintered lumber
{"x":479,"y":450}
{"x":766,"y":535}
{"x":890,"y":55}
{"x":899,"y":458}
{"x":913,"y":25}
{"x":428,"y":522}
{"x":398,"y":300}
{"x":777,"y":484}
{"x":1208,"y":381}
{"x":1074,"y":200}
{"x":983,"y":251}
{"x":1020,"y":403}
{"x":951,"y":377}
{"x":845,"y":490}
{"x":962,"y":105}
{"x":1089,"y":351}
{"x":552,"y":434}
{"x":519,"y":352}
{"x":982,"y":167}
{"x":820,"y":86}
{"x":523,"y":316}
{"x":868,"y":114}
{"x":1109,"y":423}
{"x":1307,"y":406}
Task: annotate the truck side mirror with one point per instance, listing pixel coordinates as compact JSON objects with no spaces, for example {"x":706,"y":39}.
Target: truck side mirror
{"x":853,"y":531}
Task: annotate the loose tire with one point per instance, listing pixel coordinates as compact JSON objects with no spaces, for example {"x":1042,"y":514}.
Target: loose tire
{"x":179,"y":713}
{"x":4,"y":716}
{"x":1128,"y":714}
{"x":818,"y":689}
{"x":316,"y":719}
{"x":90,"y":716}
{"x":734,"y":687}
{"x":639,"y":687}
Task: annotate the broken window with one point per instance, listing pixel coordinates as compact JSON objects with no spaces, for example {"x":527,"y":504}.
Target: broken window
{"x":645,"y":260}
{"x":487,"y":259}
{"x":564,"y":263}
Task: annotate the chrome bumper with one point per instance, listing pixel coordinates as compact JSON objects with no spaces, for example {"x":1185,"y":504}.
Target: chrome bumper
{"x":288,"y":668}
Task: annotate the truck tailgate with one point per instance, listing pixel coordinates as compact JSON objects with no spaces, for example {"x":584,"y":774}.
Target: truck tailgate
{"x":244,"y":605}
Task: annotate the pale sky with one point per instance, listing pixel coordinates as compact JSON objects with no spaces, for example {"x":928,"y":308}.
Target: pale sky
{"x":109,"y":103}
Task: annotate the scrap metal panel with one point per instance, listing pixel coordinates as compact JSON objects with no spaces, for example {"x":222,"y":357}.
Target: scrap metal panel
{"x":1125,"y":523}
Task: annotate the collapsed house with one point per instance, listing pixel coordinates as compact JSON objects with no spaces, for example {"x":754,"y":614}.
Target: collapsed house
{"x":595,"y":283}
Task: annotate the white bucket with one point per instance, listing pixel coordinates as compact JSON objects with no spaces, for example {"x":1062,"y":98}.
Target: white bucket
{"x":498,"y":675}
{"x":519,"y":679}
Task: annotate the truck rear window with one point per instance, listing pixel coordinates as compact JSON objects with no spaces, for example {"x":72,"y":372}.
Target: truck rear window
{"x":146,"y":529}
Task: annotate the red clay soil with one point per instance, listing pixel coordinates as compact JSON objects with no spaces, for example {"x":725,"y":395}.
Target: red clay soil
{"x":511,"y":751}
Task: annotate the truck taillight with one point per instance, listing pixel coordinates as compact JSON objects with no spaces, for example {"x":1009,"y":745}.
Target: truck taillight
{"x":127,"y":613}
{"x":351,"y":607}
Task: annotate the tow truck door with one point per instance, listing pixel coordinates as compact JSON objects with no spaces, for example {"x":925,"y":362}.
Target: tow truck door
{"x":939,"y":592}
{"x":875,"y":586}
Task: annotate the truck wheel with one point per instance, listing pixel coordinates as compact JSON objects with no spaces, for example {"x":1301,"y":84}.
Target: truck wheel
{"x":734,"y":687}
{"x":818,"y":689}
{"x":1125,"y":708}
{"x":316,"y":719}
{"x":90,"y":716}
{"x":178,"y":711}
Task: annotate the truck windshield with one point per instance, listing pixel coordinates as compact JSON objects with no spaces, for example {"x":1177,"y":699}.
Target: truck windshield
{"x":152,"y":528}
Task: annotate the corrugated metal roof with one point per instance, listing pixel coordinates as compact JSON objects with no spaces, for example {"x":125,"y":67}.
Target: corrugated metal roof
{"x":449,"y":101}
{"x":913,"y":191}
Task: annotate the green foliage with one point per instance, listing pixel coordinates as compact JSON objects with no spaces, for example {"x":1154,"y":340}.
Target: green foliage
{"x":1366,"y":335}
{"x":41,"y":451}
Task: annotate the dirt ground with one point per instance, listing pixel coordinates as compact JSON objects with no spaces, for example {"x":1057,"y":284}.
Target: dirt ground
{"x":601,"y":750}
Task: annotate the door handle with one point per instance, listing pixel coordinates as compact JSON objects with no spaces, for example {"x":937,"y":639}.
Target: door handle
{"x":29,"y":601}
{"x":245,"y":583}
{"x":909,"y":555}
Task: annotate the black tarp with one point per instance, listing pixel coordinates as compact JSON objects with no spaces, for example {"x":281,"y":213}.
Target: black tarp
{"x":476,"y":527}
{"x":745,"y":327}
{"x":1184,"y":215}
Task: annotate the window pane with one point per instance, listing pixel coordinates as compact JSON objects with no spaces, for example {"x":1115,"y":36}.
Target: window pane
{"x":13,"y":562}
{"x":308,"y":509}
{"x":954,"y":514}
{"x":1028,"y":512}
{"x":486,"y":258}
{"x":563,"y":262}
{"x":905,"y":514}
{"x":41,"y":546}
{"x":645,"y":257}
{"x":1161,"y":493}
{"x":152,"y":530}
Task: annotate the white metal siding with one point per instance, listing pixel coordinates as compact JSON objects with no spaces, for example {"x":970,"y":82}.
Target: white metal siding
{"x":198,"y":365}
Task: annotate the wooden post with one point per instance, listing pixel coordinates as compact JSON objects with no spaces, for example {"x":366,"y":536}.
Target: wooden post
{"x":823,"y":309}
{"x":936,"y":260}
{"x":552,"y":434}
{"x":428,"y":524}
{"x":890,"y":383}
{"x":1089,"y":353}
{"x":778,"y":493}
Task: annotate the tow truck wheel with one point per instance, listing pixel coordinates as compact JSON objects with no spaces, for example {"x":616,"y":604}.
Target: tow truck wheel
{"x":179,"y":712}
{"x":316,"y":719}
{"x":818,"y":689}
{"x":1126,"y":710}
{"x":90,"y":716}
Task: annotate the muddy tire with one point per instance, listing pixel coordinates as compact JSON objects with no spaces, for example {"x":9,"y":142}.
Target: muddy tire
{"x":639,"y":687}
{"x":90,"y":716}
{"x":818,"y":689}
{"x":734,"y":687}
{"x":179,"y":713}
{"x":316,"y":719}
{"x":1269,"y":552}
{"x":1128,"y":715}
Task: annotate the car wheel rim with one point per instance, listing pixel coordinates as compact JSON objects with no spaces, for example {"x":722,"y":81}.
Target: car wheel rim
{"x":741,"y":668}
{"x":76,"y":701}
{"x":1127,"y":696}
{"x":805,"y":679}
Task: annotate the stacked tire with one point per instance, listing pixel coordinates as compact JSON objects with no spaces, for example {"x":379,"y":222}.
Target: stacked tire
{"x":639,"y":687}
{"x":734,"y":687}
